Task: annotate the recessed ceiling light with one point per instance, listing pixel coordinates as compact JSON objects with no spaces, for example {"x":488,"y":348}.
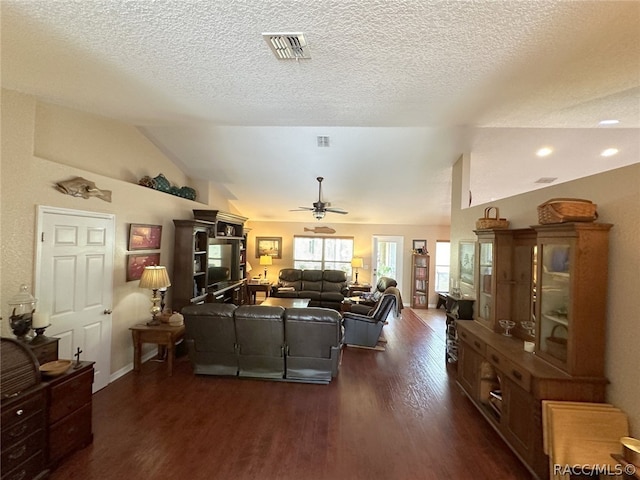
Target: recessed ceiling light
{"x":605,"y":123}
{"x":609,"y":152}
{"x":544,"y":151}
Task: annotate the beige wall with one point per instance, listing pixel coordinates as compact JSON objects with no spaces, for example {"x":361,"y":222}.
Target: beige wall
{"x":43,"y":144}
{"x":617,"y":194}
{"x":363,"y":244}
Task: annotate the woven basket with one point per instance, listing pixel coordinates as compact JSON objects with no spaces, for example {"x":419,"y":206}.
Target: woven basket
{"x":557,"y":346}
{"x":490,"y":222}
{"x":560,"y":210}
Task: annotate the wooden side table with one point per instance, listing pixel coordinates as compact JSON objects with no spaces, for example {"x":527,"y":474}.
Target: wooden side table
{"x":254,"y":288}
{"x":360,"y":287}
{"x":165,"y":336}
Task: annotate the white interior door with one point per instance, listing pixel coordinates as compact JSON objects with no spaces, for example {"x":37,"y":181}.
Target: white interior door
{"x":387,"y":257}
{"x":74,"y":283}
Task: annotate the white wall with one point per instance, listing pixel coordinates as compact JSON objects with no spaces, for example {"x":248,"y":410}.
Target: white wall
{"x":362,"y":235}
{"x":617,"y":194}
{"x":44,"y":144}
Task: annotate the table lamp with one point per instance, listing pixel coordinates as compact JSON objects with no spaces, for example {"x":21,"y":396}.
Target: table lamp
{"x":266,"y":260}
{"x":357,"y":262}
{"x":154,"y":278}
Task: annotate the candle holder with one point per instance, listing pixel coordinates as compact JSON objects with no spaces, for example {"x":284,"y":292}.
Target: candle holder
{"x":40,"y":337}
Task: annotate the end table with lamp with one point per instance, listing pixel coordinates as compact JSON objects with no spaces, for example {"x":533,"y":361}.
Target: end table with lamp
{"x":163,"y":334}
{"x":265,"y":261}
{"x":357,"y":263}
{"x":155,"y":278}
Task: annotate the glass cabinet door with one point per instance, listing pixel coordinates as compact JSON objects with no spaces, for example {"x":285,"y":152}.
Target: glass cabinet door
{"x":485,"y":287}
{"x":553,"y":297}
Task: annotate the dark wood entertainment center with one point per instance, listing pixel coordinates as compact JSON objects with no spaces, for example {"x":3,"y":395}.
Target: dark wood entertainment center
{"x":209,"y":261}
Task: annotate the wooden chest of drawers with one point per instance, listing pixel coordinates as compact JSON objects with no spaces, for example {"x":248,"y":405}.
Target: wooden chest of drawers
{"x":44,"y":348}
{"x":70,"y":408}
{"x":23,"y":414}
{"x":24,"y":436}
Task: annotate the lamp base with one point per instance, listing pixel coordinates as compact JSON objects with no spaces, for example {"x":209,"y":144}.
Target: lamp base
{"x":153,"y":322}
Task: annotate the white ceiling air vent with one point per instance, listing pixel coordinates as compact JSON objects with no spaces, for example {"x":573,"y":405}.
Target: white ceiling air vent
{"x":323,"y":141}
{"x":287,"y":46}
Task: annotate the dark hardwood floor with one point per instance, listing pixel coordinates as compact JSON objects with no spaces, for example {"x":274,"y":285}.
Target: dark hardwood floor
{"x":392,"y":415}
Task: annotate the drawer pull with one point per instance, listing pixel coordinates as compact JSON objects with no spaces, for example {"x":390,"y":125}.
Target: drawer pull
{"x":463,"y":334}
{"x":19,"y":412}
{"x":18,"y":453}
{"x":517,"y":374}
{"x":477,"y":344}
{"x":495,"y":359}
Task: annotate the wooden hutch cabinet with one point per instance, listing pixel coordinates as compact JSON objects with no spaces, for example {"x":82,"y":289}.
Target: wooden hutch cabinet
{"x":209,"y":259}
{"x":560,"y":273}
{"x":420,"y":281}
{"x":572,"y":296}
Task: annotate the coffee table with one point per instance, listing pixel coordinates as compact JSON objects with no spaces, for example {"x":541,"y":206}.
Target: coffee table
{"x":286,"y":302}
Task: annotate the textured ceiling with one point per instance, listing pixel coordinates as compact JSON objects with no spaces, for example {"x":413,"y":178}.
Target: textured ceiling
{"x":402,"y":88}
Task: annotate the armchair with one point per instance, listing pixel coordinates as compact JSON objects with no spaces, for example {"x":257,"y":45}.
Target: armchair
{"x":364,"y":330}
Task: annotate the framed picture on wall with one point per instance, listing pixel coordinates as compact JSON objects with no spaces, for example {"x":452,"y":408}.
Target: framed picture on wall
{"x":137,"y":262}
{"x":145,"y":237}
{"x":420,"y":246}
{"x":467,"y":259}
{"x":271,"y":246}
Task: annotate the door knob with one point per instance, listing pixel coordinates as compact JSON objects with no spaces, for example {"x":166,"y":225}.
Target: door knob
{"x":107,"y":311}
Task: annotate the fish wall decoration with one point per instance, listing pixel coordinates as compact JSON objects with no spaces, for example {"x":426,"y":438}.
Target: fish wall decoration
{"x":320,"y":230}
{"x":81,"y":187}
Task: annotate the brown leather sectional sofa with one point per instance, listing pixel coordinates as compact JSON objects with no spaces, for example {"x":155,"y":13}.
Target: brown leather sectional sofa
{"x":324,"y":288}
{"x":296,"y":344}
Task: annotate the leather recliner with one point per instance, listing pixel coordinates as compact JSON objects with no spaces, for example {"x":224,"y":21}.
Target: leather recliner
{"x":260,"y":341}
{"x":211,"y":354}
{"x":313,"y":338}
{"x":365,"y":330}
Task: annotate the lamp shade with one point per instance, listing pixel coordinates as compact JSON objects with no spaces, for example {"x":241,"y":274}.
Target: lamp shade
{"x":248,"y":267}
{"x":266,"y":260}
{"x":155,"y":277}
{"x":357,"y":262}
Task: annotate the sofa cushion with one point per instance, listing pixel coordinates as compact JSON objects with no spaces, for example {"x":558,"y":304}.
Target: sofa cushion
{"x":312,"y":280}
{"x":311,"y":294}
{"x":331,"y":297}
{"x":290,"y":277}
{"x":334,"y":276}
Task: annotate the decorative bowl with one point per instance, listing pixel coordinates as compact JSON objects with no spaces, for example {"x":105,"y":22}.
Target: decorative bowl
{"x":631,"y":450}
{"x":55,"y":368}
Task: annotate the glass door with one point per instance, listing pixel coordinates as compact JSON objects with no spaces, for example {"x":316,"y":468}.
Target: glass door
{"x":387,"y":258}
{"x":553,"y":296}
{"x":485,"y":286}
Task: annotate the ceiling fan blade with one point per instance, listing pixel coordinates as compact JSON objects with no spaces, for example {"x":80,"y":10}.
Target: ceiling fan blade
{"x":301,"y":209}
{"x":336,"y":210}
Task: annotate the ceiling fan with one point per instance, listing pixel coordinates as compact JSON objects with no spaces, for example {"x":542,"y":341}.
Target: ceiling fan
{"x":320,"y":208}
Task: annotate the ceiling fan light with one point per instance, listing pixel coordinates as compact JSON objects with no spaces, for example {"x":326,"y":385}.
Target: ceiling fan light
{"x":318,"y":214}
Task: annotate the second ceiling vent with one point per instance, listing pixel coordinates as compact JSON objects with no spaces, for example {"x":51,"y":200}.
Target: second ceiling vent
{"x":287,"y":46}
